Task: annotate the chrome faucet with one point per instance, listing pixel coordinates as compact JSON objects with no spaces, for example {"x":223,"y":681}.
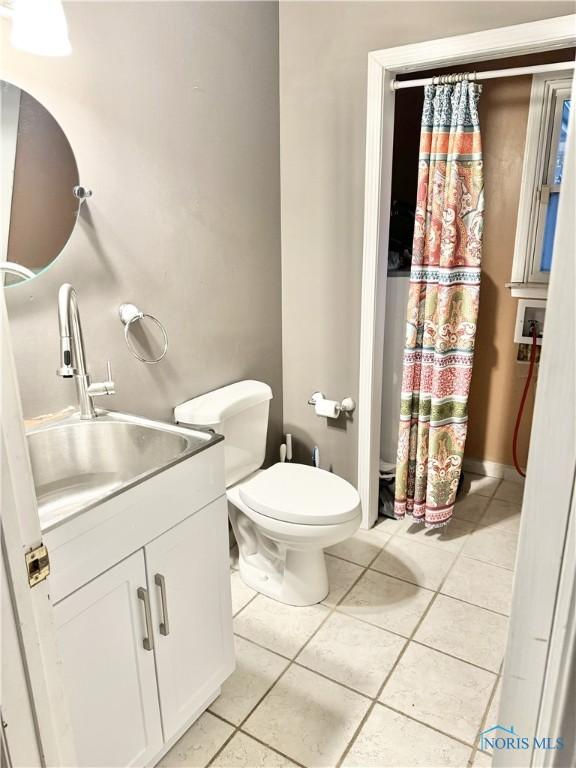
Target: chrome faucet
{"x":73,"y":356}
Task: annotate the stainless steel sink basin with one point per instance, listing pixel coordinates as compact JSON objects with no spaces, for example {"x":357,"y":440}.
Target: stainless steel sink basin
{"x":77,"y":464}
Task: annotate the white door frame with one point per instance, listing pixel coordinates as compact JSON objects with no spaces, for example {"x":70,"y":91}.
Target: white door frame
{"x":20,"y":532}
{"x":383,"y":66}
{"x":542,"y":622}
{"x":541,"y":640}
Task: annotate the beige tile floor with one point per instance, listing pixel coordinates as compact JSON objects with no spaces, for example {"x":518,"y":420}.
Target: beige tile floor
{"x":399,"y":666}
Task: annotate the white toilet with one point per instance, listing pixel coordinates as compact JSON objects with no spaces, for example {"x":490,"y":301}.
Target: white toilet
{"x":283,"y":517}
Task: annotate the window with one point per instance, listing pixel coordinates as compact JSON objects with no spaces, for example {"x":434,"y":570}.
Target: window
{"x":550,"y":103}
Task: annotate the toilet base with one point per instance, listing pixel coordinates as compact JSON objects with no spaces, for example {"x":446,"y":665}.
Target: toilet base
{"x":284,"y":561}
{"x":302,"y":579}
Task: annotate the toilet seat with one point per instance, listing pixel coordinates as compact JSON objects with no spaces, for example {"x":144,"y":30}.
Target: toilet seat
{"x":296,"y":493}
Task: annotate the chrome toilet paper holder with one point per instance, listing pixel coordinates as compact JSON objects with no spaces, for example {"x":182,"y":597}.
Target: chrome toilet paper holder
{"x":347,"y":405}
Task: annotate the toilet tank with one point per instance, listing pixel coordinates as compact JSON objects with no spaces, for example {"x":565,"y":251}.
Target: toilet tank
{"x":240,"y":413}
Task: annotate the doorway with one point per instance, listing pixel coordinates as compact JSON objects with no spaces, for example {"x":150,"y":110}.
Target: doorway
{"x":526,"y":660}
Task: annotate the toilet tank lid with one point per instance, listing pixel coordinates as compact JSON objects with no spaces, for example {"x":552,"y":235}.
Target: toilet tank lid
{"x":220,"y":404}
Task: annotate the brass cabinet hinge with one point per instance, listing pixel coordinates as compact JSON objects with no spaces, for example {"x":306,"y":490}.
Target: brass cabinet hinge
{"x":37,"y":565}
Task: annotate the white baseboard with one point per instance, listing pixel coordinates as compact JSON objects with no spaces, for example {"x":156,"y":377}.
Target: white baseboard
{"x":492,"y":469}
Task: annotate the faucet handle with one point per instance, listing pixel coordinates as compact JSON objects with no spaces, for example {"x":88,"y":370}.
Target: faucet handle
{"x":103,"y":387}
{"x":109,"y":383}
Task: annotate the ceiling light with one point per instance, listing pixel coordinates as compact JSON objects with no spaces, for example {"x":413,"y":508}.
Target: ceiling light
{"x":39,"y":27}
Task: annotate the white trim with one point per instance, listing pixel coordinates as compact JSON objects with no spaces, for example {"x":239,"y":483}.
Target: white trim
{"x":528,"y":290}
{"x":537,"y":121}
{"x":540,"y":134}
{"x":383,"y":65}
{"x":499,"y":43}
{"x":552,"y":458}
{"x":492,"y":469}
{"x":553,"y":127}
{"x":561,"y":672}
{"x":379,"y":145}
{"x":32,"y":607}
{"x":544,"y":561}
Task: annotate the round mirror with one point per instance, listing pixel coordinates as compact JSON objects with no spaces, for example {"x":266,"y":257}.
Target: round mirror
{"x":38,"y":174}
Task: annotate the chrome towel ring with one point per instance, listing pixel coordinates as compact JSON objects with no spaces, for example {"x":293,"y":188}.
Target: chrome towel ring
{"x":129,"y":314}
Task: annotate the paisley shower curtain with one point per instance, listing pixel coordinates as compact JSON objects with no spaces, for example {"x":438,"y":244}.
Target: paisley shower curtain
{"x":442,"y":305}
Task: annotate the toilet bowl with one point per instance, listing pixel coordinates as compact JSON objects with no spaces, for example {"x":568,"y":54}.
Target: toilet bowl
{"x":284,"y":516}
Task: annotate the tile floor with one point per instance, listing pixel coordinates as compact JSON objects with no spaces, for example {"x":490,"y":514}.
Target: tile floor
{"x":399,"y":666}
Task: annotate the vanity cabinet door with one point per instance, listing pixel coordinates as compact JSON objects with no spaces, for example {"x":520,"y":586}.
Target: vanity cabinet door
{"x":189,"y":577}
{"x":109,"y":675}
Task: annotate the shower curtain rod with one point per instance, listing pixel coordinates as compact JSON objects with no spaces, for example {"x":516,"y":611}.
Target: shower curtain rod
{"x":490,"y":74}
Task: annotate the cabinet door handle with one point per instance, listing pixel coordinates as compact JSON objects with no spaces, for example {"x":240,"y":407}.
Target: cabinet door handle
{"x":160,"y":581}
{"x":148,"y":640}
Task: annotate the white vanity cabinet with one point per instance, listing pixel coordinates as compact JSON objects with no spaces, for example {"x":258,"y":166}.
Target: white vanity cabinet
{"x":147,"y":644}
{"x":109,"y":677}
{"x":191,"y":606}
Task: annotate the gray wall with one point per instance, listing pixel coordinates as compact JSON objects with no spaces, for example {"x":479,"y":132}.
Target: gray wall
{"x":172,"y":110}
{"x":323,"y":60}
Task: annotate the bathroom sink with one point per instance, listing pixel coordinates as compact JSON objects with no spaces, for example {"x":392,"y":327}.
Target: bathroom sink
{"x":77,"y":464}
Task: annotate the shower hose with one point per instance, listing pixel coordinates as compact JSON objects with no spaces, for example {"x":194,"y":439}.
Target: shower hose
{"x":534,"y":329}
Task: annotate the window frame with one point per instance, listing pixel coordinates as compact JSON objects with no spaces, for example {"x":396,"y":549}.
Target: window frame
{"x":543,"y":130}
